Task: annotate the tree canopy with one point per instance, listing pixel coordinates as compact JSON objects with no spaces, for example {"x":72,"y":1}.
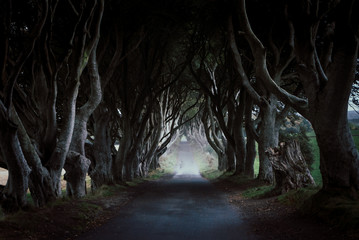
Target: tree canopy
{"x":105,"y":87}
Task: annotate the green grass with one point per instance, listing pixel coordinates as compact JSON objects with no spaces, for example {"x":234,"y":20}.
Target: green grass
{"x":355,"y":132}
{"x":156,"y":174}
{"x":107,"y":191}
{"x":297,"y":198}
{"x":315,"y":170}
{"x":135,"y":182}
{"x":258,"y":192}
{"x":212,"y":174}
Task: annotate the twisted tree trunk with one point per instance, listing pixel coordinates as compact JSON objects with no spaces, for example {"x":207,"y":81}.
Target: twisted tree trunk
{"x":101,"y":161}
{"x":289,"y":166}
{"x":268,"y":137}
{"x":13,"y":197}
{"x":76,"y":185}
{"x":250,"y":144}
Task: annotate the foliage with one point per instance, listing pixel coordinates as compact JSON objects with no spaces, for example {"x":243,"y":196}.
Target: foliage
{"x":206,"y":161}
{"x":168,"y":161}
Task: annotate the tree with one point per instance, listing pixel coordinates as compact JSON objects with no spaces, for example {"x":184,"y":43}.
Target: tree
{"x":290,"y":168}
{"x":14,"y":31}
{"x":326,"y":72}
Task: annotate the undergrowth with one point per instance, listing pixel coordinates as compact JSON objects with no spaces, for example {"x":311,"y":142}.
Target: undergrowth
{"x":297,"y":198}
{"x":258,"y":192}
{"x":212,"y":174}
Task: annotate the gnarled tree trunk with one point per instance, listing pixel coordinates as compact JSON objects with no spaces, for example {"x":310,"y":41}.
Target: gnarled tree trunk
{"x":13,"y":197}
{"x":101,"y":162}
{"x":240,"y":150}
{"x":268,"y":137}
{"x":250,"y":144}
{"x":289,"y":166}
{"x":76,"y":188}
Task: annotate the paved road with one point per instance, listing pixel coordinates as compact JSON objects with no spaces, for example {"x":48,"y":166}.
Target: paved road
{"x":184,"y":207}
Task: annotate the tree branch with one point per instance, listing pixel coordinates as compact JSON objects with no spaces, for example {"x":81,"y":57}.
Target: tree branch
{"x":261,"y":69}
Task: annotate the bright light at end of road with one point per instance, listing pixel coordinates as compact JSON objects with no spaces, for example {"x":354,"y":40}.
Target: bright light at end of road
{"x":187,"y":167}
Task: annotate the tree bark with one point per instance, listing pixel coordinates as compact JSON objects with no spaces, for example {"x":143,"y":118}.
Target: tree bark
{"x":80,"y":133}
{"x":328,"y":94}
{"x":13,"y":197}
{"x":101,"y":163}
{"x":150,"y":155}
{"x":218,"y":148}
{"x":76,"y":168}
{"x":327,"y":84}
{"x":40,"y":181}
{"x":290,"y":168}
{"x":250,"y":144}
{"x":268,"y":137}
{"x":118,"y":168}
{"x":240,"y":150}
{"x":231,"y":158}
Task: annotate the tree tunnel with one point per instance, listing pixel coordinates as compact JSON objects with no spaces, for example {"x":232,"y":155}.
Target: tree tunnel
{"x":104,"y":88}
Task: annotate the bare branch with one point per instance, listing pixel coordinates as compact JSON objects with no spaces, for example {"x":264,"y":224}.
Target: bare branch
{"x":261,"y":69}
{"x":239,"y":66}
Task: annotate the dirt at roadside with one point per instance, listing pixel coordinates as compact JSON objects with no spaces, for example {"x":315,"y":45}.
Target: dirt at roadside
{"x":65,"y":219}
{"x":270,"y":219}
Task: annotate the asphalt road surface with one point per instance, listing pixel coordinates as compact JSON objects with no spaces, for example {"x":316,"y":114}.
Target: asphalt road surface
{"x":185,"y":207}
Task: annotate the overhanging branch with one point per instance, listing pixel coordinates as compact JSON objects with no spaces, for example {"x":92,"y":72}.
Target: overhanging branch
{"x":261,"y":69}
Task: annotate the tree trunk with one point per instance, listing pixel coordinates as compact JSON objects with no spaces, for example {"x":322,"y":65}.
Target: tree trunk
{"x":76,"y":168}
{"x":118,"y":168}
{"x":40,"y":181}
{"x":339,"y":159}
{"x":289,"y":166}
{"x":231,"y":123}
{"x":150,"y":155}
{"x":328,"y":103}
{"x":240,"y":149}
{"x":77,"y":163}
{"x":13,"y":197}
{"x":250,"y":156}
{"x":326,"y":81}
{"x":58,"y":157}
{"x":268,"y":138}
{"x":230,"y":158}
{"x":80,"y":131}
{"x":250,"y":144}
{"x":101,"y":172}
{"x":214,"y":143}
{"x":130,"y":163}
{"x":222,"y":161}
